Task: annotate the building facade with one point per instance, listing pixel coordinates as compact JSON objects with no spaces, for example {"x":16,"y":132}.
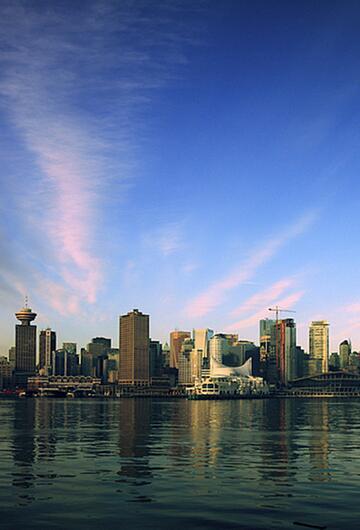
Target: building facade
{"x":47,"y":345}
{"x":134,"y":349}
{"x":25,"y":345}
{"x":318,"y":347}
{"x":176,"y":340}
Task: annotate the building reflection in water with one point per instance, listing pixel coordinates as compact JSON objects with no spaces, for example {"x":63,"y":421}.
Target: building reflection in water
{"x":134,"y":420}
{"x":24,"y":449}
{"x":319,"y":449}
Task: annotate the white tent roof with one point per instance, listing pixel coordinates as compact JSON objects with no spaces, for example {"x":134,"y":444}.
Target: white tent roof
{"x":220,"y":370}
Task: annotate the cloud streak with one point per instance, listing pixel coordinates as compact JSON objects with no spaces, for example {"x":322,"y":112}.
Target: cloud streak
{"x":80,"y":136}
{"x":216,"y":293}
{"x":286,"y":302}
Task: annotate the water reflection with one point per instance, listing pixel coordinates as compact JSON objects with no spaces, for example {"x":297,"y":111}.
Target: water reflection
{"x":236,"y":457}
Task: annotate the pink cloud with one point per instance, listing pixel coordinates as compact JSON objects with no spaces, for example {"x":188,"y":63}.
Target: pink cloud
{"x":216,"y":293}
{"x":285,"y":303}
{"x":263,"y":298}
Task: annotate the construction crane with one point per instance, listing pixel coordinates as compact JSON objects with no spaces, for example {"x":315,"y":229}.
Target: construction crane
{"x":278,"y":310}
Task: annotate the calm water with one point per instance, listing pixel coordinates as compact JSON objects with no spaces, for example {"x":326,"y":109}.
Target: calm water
{"x":159,"y":464}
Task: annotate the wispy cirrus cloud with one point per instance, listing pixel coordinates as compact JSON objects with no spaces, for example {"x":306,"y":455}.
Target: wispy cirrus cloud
{"x":73,"y":82}
{"x":216,"y":293}
{"x":166,"y":239}
{"x":285,"y":302}
{"x":264,"y":297}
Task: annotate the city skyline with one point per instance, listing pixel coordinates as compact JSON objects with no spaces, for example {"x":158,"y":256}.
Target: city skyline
{"x":199,"y":163}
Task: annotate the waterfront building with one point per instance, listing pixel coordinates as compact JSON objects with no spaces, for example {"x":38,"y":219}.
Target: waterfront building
{"x":134,"y":349}
{"x":318,"y":347}
{"x":47,"y":345}
{"x":176,"y":340}
{"x":185,"y":373}
{"x":25,"y":345}
{"x":344,"y":354}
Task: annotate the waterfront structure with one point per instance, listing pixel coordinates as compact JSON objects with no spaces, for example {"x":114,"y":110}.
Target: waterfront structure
{"x":330,"y":384}
{"x":61,"y":385}
{"x":134,"y":349}
{"x":344,"y":354}
{"x":176,"y":340}
{"x":47,"y":345}
{"x":185,"y":374}
{"x":25,"y":345}
{"x":318,"y":347}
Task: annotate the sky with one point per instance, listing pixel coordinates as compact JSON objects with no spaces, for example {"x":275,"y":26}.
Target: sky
{"x":198,"y":161}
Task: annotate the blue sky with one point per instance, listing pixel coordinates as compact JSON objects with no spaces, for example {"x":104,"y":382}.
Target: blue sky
{"x":196,"y":160}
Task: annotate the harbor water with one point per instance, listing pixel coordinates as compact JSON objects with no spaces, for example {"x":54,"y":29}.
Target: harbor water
{"x":178,"y":464}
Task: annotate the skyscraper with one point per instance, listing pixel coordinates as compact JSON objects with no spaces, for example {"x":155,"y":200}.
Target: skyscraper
{"x":344,"y":354}
{"x":25,"y":345}
{"x":282,"y":367}
{"x":176,"y":340}
{"x":47,"y":345}
{"x":318,"y":347}
{"x":134,"y":349}
{"x":201,"y":339}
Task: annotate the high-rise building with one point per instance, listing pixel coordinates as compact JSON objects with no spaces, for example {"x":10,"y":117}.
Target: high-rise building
{"x":334,"y":361}
{"x":266,"y":325}
{"x":98,"y":350}
{"x":219,"y":345}
{"x":201,"y":339}
{"x":25,"y":345}
{"x":71,"y":358}
{"x":265,"y":331}
{"x":47,"y":345}
{"x":282,"y":366}
{"x":134,"y":349}
{"x":344,"y":354}
{"x":185,"y":374}
{"x":318,"y":347}
{"x":176,"y":340}
{"x":155,"y":358}
{"x":12,"y":356}
{"x":166,"y":355}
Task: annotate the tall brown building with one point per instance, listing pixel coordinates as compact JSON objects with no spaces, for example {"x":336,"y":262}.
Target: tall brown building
{"x":176,"y":340}
{"x":134,"y":349}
